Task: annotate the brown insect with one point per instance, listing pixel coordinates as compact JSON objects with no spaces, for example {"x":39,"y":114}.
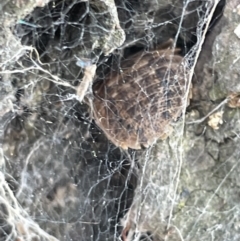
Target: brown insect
{"x":136,"y":106}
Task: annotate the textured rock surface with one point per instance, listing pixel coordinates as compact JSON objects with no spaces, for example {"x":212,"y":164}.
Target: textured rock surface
{"x":60,"y":172}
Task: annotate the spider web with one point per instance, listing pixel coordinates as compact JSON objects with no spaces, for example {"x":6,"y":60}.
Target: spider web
{"x":61,"y":178}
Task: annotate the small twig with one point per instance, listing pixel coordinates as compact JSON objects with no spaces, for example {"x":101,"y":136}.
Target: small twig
{"x":89,"y":74}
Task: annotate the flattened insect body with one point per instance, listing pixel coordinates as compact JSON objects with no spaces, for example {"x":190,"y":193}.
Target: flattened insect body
{"x":136,"y":106}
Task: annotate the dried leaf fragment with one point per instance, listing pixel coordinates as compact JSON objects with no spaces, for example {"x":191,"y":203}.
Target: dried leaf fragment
{"x":234,"y":100}
{"x":215,"y":120}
